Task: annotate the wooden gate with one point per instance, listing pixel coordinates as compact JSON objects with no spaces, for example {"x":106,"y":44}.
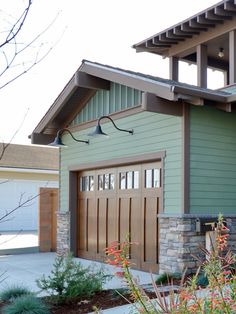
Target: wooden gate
{"x":48,"y":206}
{"x":116,"y":202}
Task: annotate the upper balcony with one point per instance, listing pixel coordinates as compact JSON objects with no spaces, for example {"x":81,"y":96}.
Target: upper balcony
{"x":207,"y":39}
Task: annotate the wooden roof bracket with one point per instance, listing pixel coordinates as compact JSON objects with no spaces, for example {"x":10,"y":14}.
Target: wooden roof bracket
{"x":224,"y":107}
{"x":153,"y":103}
{"x":196,"y":101}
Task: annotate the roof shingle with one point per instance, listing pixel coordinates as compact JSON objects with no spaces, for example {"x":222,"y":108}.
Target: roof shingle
{"x":30,"y":157}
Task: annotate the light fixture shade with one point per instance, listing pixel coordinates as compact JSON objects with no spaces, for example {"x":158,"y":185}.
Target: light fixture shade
{"x":98,"y":131}
{"x":221,"y":53}
{"x":57,"y":142}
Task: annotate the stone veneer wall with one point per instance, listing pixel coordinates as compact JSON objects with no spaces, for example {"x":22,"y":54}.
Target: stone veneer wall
{"x":179,"y":241}
{"x":63,"y":232}
{"x":231,"y":224}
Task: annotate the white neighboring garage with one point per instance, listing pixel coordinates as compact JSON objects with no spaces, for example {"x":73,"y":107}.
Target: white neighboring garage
{"x":24,"y":169}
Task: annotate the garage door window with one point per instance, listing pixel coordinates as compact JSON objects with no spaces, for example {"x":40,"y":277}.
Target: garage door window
{"x":86,"y":183}
{"x":106,"y":181}
{"x":129,"y":180}
{"x":152,"y":178}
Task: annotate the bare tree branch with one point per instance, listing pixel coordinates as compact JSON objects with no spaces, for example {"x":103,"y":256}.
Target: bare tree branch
{"x":5,"y":145}
{"x":21,"y":204}
{"x":5,"y":181}
{"x":11,"y":55}
{"x":14,"y":63}
{"x":13,"y":237}
{"x":21,"y":20}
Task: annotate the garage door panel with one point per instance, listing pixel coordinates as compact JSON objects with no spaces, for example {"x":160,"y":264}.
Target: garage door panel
{"x":111,"y":221}
{"x":135,"y":214}
{"x":106,"y":224}
{"x":92,"y":226}
{"x":82,"y":223}
{"x":87,"y":228}
{"x":102,"y":225}
{"x":123,"y":219}
{"x":150,"y":232}
{"x":128,"y":226}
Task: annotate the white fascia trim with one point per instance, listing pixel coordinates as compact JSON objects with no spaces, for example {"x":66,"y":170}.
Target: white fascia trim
{"x":124,"y":73}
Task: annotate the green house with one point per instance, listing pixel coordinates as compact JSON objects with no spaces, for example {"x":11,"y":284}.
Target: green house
{"x":168,"y":165}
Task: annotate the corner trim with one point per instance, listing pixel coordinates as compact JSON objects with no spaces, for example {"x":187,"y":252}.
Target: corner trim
{"x":185,"y":158}
{"x":73,"y":191}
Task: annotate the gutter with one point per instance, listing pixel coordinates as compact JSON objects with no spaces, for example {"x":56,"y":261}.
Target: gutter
{"x":200,"y":93}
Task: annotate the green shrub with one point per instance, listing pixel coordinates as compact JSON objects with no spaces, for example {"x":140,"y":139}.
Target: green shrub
{"x":27,"y":304}
{"x":13,"y":292}
{"x":167,"y":278}
{"x":202,"y":280}
{"x":69,"y":279}
{"x":119,"y":292}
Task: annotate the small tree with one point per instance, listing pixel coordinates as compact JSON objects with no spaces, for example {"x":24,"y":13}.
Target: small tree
{"x":17,"y":57}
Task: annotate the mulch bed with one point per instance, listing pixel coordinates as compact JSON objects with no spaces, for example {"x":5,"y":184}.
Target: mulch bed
{"x":101,"y":301}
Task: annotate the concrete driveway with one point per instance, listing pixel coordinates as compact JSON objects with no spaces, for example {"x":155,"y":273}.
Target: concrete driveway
{"x":18,"y":242}
{"x":24,"y":269}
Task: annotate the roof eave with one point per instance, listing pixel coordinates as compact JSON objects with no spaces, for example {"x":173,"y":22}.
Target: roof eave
{"x":131,"y":80}
{"x":58,"y":104}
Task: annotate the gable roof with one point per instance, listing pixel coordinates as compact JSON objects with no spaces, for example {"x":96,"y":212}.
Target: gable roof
{"x":198,"y":24}
{"x":92,"y":76}
{"x":30,"y":157}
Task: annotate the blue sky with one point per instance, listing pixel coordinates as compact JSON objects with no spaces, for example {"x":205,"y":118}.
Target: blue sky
{"x":101,"y":31}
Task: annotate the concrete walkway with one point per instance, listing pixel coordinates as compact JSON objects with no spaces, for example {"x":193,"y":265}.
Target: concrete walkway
{"x":24,"y":269}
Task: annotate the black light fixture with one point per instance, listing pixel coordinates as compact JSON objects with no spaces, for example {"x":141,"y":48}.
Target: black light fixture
{"x":98,"y":130}
{"x":58,"y":141}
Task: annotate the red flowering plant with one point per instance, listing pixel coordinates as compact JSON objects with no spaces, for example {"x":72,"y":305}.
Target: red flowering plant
{"x":118,"y":256}
{"x":220,"y":295}
{"x":219,"y":267}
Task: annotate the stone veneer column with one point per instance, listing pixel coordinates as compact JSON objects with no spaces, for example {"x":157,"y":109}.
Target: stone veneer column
{"x":63,"y":232}
{"x":231,"y":224}
{"x":179,"y":240}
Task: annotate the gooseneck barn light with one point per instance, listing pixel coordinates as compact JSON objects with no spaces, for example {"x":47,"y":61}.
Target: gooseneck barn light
{"x":58,"y":141}
{"x":98,"y":130}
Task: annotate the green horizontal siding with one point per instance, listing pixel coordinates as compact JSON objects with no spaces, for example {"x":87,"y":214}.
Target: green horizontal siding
{"x":152,"y":133}
{"x":212,"y":161}
{"x":104,"y":102}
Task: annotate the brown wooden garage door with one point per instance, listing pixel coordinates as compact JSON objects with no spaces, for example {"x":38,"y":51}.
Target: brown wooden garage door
{"x":116,"y":202}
